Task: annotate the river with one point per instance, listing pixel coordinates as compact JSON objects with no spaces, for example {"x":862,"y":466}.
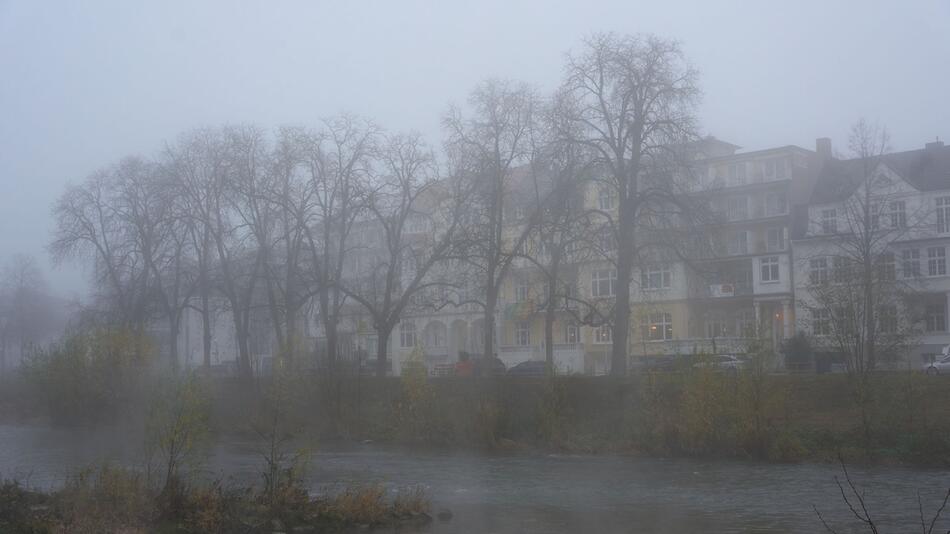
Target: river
{"x":538,"y":493}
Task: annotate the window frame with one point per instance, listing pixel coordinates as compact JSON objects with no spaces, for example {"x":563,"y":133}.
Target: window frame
{"x":936,"y":262}
{"x":600,"y":277}
{"x":770,"y":265}
{"x":407,"y":332}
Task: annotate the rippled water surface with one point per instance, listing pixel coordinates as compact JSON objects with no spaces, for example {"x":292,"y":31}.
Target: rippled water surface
{"x":542,"y":493}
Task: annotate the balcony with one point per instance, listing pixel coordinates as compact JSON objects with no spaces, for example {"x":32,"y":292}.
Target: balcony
{"x":727,"y":290}
{"x":721,"y":345}
{"x":515,"y":354}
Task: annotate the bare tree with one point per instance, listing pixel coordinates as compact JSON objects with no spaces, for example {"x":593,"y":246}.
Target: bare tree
{"x":338,"y":161}
{"x":854,"y":290}
{"x":148,"y":209}
{"x":633,"y":98}
{"x":486,"y":149}
{"x":221,"y":175}
{"x":558,"y":175}
{"x":92,"y":224}
{"x":24,"y":314}
{"x":416,"y":217}
{"x":196,"y":165}
{"x":291,"y":284}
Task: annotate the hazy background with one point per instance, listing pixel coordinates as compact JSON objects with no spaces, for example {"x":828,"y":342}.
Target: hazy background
{"x":83,"y":84}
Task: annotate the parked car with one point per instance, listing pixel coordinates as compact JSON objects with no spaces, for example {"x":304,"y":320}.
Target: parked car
{"x":721,"y":362}
{"x":940,"y":365}
{"x":654,"y":364}
{"x":529,"y":368}
{"x":493,"y":367}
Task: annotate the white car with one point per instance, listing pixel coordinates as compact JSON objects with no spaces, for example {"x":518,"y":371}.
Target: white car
{"x":722,"y":362}
{"x":940,"y":365}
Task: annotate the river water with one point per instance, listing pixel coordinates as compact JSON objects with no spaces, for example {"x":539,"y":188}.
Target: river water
{"x":537,"y":493}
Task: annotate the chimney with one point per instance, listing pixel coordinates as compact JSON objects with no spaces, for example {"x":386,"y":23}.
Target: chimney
{"x":936,"y":145}
{"x":823,"y":148}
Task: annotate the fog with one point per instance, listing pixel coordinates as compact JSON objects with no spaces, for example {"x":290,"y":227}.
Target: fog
{"x":474,"y":267}
{"x":82,"y":85}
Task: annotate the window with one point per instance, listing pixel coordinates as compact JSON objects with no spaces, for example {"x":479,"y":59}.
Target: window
{"x":606,"y":199}
{"x":739,"y":243}
{"x":943,"y":215}
{"x":716,"y":327}
{"x":818,"y":271}
{"x":737,"y":208}
{"x":769,"y":269}
{"x":935,"y":314}
{"x":522,"y":335}
{"x":602,"y":282}
{"x":745,"y":323}
{"x":781,"y":168}
{"x":521,"y":211}
{"x":775,"y":239}
{"x":840,"y":269}
{"x":570,"y":333}
{"x":888,"y":266}
{"x":887,"y":319}
{"x":435,"y":334}
{"x":407,"y":334}
{"x":603,"y":335}
{"x":910,"y":263}
{"x":658,"y":327}
{"x":737,"y":174}
{"x":821,"y":322}
{"x":776,"y":204}
{"x":936,"y":261}
{"x":568,"y":295}
{"x":829,"y":221}
{"x":656,"y":278}
{"x":521,"y":291}
{"x":898,"y":213}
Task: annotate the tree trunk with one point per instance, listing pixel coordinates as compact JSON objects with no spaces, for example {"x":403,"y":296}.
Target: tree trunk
{"x":382,"y":345}
{"x":621,"y":320}
{"x":488,"y":336}
{"x":244,"y":350}
{"x":290,"y":333}
{"x":549,"y":316}
{"x":174,"y":324}
{"x":205,"y":331}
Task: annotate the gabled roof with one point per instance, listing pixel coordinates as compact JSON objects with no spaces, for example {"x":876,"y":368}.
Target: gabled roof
{"x":927,"y":169}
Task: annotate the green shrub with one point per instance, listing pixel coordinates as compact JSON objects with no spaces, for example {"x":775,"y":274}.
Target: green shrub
{"x":88,"y":377}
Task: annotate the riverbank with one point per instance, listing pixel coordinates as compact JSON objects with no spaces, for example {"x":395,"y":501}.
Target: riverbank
{"x":117,"y":499}
{"x":780,"y":418}
{"x":776,"y":418}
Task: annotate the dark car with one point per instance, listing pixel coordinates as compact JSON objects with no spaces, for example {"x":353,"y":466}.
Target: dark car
{"x":529,"y":368}
{"x":492,"y":367}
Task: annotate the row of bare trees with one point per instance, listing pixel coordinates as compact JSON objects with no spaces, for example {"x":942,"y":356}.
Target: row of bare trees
{"x":298,"y":222}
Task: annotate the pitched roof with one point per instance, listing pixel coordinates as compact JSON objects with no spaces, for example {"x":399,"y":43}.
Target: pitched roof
{"x":927,"y":169}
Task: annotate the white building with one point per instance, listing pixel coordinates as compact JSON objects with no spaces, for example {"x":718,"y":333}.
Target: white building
{"x":908,"y":194}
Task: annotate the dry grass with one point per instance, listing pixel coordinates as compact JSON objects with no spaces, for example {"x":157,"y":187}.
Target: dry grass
{"x":411,"y":502}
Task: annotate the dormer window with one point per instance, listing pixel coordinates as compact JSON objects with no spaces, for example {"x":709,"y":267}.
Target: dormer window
{"x":606,"y":199}
{"x":829,"y":221}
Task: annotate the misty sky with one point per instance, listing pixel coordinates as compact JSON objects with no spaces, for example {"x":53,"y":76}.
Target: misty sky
{"x":85,"y":83}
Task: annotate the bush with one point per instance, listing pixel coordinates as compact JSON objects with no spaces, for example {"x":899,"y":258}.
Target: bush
{"x":18,"y":508}
{"x":106,"y":499}
{"x":88,"y":377}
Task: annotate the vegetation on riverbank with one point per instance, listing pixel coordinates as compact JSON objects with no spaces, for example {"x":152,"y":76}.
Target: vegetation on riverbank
{"x":692,"y":411}
{"x":110,"y":499}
